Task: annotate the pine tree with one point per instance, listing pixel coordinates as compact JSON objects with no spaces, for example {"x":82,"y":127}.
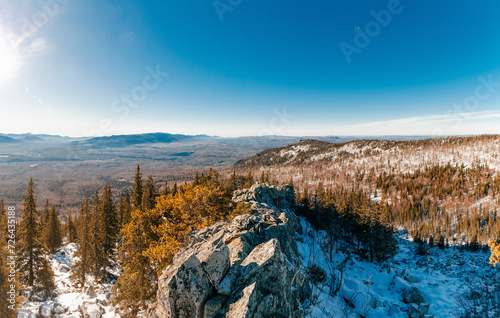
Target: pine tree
{"x":441,"y":242}
{"x":138,"y":281}
{"x":44,"y":221}
{"x":137,"y":191}
{"x":149,"y":195}
{"x":34,"y":268}
{"x":262,"y":178}
{"x":44,"y":215}
{"x":165,"y":189}
{"x":54,"y":240}
{"x":196,"y":178}
{"x":71,"y":229}
{"x":248,"y":180}
{"x":233,"y":182}
{"x":29,"y":244}
{"x":82,"y":267}
{"x":124,"y":208}
{"x":111,"y":226}
{"x":97,"y":237}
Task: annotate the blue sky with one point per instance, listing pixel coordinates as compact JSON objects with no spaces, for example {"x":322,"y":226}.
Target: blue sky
{"x":240,"y":67}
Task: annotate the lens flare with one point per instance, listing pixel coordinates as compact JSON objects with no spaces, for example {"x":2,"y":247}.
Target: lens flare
{"x":10,"y":59}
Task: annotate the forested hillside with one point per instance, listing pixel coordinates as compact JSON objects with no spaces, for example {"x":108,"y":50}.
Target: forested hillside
{"x":438,"y":189}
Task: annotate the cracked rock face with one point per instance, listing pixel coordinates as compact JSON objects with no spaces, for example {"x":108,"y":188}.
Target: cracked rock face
{"x":248,"y":267}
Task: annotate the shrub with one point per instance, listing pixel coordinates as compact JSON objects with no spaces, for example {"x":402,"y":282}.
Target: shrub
{"x":316,"y":274}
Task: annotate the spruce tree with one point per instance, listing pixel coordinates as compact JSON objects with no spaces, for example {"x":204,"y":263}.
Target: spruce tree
{"x":34,"y":269}
{"x":111,"y":226}
{"x":71,"y":229}
{"x":262,"y":177}
{"x":196,"y":178}
{"x":149,"y":195}
{"x":137,"y":191}
{"x":174,"y":189}
{"x":29,"y":238}
{"x":125,"y":209}
{"x":82,"y":267}
{"x":44,"y":221}
{"x":248,"y":180}
{"x":54,"y":240}
{"x":138,"y":281}
{"x":165,"y":189}
{"x":97,"y":236}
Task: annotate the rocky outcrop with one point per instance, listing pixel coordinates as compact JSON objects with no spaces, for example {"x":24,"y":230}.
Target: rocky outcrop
{"x":244,"y":268}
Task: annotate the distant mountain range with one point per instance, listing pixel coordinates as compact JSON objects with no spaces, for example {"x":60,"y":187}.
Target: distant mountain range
{"x":121,"y":141}
{"x":124,"y":141}
{"x":8,"y":140}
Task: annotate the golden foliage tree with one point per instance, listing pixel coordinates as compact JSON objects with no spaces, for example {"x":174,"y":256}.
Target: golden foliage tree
{"x":495,"y":252}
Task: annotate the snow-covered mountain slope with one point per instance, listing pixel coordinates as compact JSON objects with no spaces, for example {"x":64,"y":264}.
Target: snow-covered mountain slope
{"x":71,"y":302}
{"x":384,"y":155}
{"x":442,"y":284}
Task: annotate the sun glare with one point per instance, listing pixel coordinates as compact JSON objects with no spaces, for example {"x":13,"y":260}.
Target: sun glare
{"x":10,"y":59}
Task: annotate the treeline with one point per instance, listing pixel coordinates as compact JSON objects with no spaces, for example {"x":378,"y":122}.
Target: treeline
{"x":457,"y":202}
{"x":350,"y":218}
{"x":445,"y":201}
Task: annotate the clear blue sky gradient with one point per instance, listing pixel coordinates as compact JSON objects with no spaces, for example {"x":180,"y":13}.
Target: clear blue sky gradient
{"x":238,"y":75}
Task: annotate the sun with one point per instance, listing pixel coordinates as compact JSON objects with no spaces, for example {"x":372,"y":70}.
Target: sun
{"x":10,"y":59}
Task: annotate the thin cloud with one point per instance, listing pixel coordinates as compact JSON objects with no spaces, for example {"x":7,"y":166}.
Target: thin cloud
{"x":454,"y":123}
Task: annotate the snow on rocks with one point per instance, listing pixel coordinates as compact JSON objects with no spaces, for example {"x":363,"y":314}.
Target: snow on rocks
{"x":71,"y":302}
{"x":405,"y":286}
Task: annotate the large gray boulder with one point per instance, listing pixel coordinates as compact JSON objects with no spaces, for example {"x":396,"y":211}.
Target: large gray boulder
{"x":265,"y":194}
{"x":412,"y":296}
{"x":265,"y":288}
{"x":91,"y":310}
{"x":185,"y":288}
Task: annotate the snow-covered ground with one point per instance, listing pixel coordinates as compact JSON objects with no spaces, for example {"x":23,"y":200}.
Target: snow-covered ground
{"x":406,"y":286}
{"x":395,"y":288}
{"x":71,"y":301}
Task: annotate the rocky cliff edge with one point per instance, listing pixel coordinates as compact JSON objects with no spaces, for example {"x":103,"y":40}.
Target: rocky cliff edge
{"x":248,"y":267}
